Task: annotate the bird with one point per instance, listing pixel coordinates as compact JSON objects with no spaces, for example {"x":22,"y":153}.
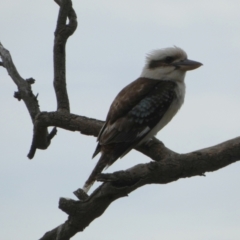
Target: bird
{"x":143,"y":108}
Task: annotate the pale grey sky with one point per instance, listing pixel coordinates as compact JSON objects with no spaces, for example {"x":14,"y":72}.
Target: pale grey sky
{"x":106,"y":53}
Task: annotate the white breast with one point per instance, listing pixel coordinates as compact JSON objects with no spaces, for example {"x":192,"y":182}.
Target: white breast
{"x":171,"y":112}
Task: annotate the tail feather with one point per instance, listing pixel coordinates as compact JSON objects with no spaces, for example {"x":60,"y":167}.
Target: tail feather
{"x":97,"y":150}
{"x":102,"y":163}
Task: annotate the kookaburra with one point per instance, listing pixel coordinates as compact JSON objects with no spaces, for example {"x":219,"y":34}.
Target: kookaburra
{"x":143,"y":107}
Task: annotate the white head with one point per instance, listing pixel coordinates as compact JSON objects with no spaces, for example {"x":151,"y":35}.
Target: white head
{"x":168,"y":64}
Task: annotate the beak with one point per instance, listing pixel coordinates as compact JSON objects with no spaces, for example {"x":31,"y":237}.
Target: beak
{"x":187,"y":65}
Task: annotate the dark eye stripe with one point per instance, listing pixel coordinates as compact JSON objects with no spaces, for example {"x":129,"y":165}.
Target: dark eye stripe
{"x":169,"y":59}
{"x":161,"y":63}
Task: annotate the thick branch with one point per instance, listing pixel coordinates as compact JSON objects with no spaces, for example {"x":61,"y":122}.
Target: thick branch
{"x":69,"y":121}
{"x":62,"y":32}
{"x":120,"y":184}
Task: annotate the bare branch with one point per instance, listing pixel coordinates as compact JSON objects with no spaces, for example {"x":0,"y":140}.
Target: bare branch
{"x":41,"y":138}
{"x":120,"y":184}
{"x":154,"y":149}
{"x":25,"y":93}
{"x":69,"y":121}
{"x":62,"y":33}
{"x":52,"y":134}
{"x":24,"y":88}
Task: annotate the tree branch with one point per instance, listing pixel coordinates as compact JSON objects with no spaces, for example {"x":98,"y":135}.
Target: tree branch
{"x":120,"y":184}
{"x":25,"y":93}
{"x":62,"y":32}
{"x":41,"y":138}
{"x":24,"y":87}
{"x":154,"y":149}
{"x":69,"y":121}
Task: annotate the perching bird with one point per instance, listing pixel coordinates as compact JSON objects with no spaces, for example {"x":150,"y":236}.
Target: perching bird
{"x":143,"y":107}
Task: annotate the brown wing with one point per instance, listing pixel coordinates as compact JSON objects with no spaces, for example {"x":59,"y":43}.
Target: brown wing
{"x":129,"y":96}
{"x":134,"y":112}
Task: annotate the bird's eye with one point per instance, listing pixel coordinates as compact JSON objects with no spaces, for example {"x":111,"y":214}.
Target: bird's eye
{"x":169,"y":59}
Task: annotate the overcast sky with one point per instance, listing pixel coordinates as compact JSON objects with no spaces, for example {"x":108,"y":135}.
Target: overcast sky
{"x":106,"y":53}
